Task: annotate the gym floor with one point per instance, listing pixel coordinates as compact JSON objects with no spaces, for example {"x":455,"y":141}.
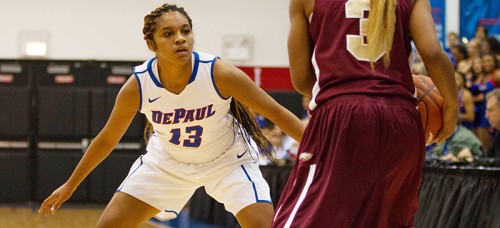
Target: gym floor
{"x":78,"y":216}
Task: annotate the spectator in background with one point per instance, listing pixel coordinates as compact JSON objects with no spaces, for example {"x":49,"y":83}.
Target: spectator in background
{"x":493,"y":115}
{"x":462,"y":146}
{"x":452,"y":40}
{"x":261,"y":120}
{"x":491,"y":69}
{"x":492,"y":46}
{"x":305,"y":108}
{"x":477,"y":73}
{"x":459,"y":53}
{"x":474,"y":48}
{"x":292,"y":146}
{"x":275,"y":136}
{"x":289,"y":144}
{"x":418,"y":66}
{"x":466,"y":102}
{"x":480,"y":35}
{"x":479,"y":88}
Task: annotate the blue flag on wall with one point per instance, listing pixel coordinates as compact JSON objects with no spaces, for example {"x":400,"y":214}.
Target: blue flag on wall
{"x":439,"y":16}
{"x":479,"y":12}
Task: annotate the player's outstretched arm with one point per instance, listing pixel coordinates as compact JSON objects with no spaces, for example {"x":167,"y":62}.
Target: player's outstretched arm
{"x":437,"y":63}
{"x":126,"y":106}
{"x":232,"y":82}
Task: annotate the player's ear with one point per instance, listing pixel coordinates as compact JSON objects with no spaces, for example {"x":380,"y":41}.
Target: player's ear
{"x":151,"y":45}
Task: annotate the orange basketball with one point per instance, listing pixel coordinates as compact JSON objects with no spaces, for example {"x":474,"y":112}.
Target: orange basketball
{"x":430,"y":105}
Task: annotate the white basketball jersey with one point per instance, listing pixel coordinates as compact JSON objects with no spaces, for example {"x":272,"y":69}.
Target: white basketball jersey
{"x":193,"y":126}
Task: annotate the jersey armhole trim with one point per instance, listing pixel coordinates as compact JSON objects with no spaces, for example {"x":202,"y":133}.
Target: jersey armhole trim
{"x":151,"y":73}
{"x":195,"y":67}
{"x":213,"y":79}
{"x":140,"y":88}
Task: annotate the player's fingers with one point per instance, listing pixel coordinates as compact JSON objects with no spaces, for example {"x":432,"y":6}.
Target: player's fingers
{"x":55,"y":207}
{"x":44,"y":205}
{"x":47,"y":206}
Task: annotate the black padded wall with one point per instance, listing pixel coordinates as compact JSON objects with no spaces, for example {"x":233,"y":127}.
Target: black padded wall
{"x":105,"y":84}
{"x":63,"y":101}
{"x":15,"y":101}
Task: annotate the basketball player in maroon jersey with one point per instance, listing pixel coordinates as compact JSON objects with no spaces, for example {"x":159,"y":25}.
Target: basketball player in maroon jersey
{"x":361,"y":156}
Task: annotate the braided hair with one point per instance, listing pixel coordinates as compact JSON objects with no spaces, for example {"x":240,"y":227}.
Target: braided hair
{"x":150,"y":19}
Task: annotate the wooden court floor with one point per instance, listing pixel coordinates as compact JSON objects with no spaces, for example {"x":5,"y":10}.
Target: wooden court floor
{"x":26,"y":216}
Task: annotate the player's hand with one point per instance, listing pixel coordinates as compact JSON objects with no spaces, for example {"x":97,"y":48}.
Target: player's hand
{"x":450,"y":118}
{"x":54,"y":201}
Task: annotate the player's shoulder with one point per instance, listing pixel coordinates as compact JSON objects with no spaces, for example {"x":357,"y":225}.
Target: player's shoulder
{"x":204,"y":57}
{"x":144,"y":67}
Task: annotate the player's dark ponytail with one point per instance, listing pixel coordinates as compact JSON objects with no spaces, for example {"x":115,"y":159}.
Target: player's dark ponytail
{"x":249,"y":124}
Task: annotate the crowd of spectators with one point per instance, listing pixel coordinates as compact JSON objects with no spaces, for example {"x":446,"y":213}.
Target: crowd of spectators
{"x":476,"y":63}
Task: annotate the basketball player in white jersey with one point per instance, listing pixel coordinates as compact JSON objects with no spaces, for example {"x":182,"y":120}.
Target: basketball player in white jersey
{"x":199,"y":137}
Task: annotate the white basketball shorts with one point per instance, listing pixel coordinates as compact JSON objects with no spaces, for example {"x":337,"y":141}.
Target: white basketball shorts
{"x":233,"y":179}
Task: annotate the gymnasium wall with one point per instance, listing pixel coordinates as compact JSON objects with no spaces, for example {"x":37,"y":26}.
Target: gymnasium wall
{"x":112,"y":29}
{"x":52,"y":109}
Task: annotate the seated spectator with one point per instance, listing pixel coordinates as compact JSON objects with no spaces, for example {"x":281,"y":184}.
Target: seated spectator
{"x":461,"y":146}
{"x":493,"y":115}
{"x":275,"y":136}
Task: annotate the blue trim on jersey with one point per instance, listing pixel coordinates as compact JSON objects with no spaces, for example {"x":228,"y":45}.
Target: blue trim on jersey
{"x":213,"y":78}
{"x":152,"y":75}
{"x":195,"y":67}
{"x":170,"y":211}
{"x":121,"y":186}
{"x":254,"y":190}
{"x":139,"y":84}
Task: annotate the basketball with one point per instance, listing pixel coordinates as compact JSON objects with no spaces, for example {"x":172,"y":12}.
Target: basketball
{"x":430,"y":105}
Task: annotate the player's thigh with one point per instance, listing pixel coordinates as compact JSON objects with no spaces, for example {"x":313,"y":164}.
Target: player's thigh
{"x":256,"y":215}
{"x":245,"y":193}
{"x":125,"y":210}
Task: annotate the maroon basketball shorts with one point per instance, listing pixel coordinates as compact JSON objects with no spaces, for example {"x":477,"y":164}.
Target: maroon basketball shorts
{"x":359,"y":165}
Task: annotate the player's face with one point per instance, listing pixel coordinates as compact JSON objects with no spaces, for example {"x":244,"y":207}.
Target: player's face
{"x":493,"y":112}
{"x":173,"y":37}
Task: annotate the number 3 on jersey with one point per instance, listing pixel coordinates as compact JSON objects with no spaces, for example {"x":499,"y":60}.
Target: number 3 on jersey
{"x":356,"y":44}
{"x":194,"y":136}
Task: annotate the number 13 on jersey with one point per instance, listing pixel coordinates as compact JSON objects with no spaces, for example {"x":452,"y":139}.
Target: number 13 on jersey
{"x":193,"y":136}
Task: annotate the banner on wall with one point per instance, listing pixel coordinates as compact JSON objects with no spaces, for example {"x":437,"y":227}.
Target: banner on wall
{"x":479,"y":12}
{"x":439,"y":15}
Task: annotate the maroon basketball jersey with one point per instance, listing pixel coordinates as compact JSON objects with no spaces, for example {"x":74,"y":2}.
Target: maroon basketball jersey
{"x":340,"y":57}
